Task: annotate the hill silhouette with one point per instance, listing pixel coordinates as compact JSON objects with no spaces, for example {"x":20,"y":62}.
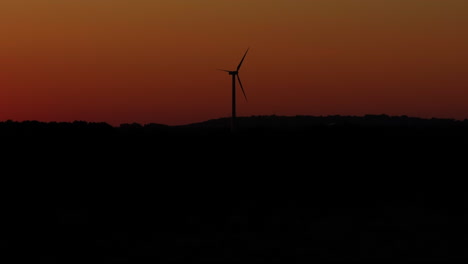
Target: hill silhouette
{"x":300,"y":188}
{"x":266,"y":125}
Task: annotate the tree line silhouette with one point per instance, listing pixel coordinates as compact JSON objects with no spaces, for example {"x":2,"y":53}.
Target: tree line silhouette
{"x":257,"y":125}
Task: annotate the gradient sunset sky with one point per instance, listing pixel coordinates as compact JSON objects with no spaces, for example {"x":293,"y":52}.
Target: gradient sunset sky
{"x":155,"y":61}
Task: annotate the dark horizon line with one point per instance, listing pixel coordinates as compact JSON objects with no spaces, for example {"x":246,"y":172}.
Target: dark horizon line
{"x":243,"y":117}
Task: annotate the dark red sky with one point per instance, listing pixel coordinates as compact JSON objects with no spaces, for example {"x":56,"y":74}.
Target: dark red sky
{"x":154,"y":61}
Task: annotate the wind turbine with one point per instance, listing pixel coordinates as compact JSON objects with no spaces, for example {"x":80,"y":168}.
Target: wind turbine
{"x":235,"y":74}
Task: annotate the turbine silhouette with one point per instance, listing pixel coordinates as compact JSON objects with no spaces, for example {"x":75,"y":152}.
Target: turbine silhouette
{"x":235,"y":74}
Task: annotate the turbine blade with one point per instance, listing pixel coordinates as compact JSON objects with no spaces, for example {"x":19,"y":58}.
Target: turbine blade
{"x":223,"y":70}
{"x":242,"y":87}
{"x":240,"y":64}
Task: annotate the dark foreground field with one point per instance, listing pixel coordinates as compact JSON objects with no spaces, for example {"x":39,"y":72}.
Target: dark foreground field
{"x":360,"y":190}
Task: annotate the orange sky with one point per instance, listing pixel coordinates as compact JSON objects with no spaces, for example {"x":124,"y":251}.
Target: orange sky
{"x":154,"y":61}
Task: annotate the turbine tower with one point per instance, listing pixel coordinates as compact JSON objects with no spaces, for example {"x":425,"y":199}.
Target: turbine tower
{"x":235,"y":74}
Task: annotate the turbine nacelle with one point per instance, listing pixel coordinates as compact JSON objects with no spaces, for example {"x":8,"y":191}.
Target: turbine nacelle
{"x":230,"y":72}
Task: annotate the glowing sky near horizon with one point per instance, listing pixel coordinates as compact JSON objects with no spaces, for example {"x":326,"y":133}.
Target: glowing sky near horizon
{"x":155,"y":61}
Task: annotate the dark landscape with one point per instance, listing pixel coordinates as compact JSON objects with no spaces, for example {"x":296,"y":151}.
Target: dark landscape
{"x":279,"y":189}
{"x":263,"y":131}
